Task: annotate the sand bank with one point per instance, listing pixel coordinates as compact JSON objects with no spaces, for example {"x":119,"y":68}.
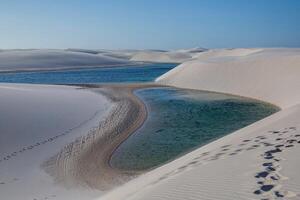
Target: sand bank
{"x":85,"y":161}
{"x":257,"y":162}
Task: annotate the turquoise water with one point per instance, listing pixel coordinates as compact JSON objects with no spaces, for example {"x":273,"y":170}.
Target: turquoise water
{"x":96,"y":75}
{"x":181,"y":120}
{"x":178,"y":120}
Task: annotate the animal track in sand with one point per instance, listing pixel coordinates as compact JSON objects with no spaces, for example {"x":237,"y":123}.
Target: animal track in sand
{"x":45,"y":141}
{"x":270,"y":178}
{"x":223,"y":152}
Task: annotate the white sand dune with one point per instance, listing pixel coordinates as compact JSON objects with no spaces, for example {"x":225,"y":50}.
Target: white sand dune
{"x":270,"y":75}
{"x":220,"y":53}
{"x":174,"y":56}
{"x":193,"y":50}
{"x":260,"y":161}
{"x":37,"y":59}
{"x":162,"y":57}
{"x":120,"y":54}
{"x":36,"y":122}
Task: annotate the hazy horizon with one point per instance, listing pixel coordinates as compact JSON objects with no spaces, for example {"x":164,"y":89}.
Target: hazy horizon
{"x":141,"y":24}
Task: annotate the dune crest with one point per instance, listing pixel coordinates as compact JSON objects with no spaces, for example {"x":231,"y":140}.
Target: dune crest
{"x":165,"y":57}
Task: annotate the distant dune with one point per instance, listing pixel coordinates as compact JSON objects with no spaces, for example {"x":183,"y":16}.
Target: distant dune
{"x":57,"y":59}
{"x":193,"y":50}
{"x":162,"y":57}
{"x":18,"y":60}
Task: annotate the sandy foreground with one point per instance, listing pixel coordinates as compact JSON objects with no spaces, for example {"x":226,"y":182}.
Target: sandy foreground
{"x":40,"y":121}
{"x":56,"y":141}
{"x":36,"y":121}
{"x":260,"y":161}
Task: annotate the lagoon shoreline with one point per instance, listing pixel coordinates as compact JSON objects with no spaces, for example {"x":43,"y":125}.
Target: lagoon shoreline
{"x":89,"y":156}
{"x":255,"y":162}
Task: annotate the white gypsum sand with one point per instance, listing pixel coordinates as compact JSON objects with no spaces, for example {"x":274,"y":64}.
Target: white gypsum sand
{"x":46,"y":59}
{"x":161,"y":57}
{"x":260,"y":161}
{"x":36,"y":122}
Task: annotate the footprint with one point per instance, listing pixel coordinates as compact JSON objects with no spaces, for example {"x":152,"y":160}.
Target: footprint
{"x":284,"y":131}
{"x":267,"y":144}
{"x":279,"y":145}
{"x":290,"y":145}
{"x":298,"y":135}
{"x":291,"y":141}
{"x":278,"y":194}
{"x":238,"y":150}
{"x":275,"y":132}
{"x":225,"y":149}
{"x":268,"y":164}
{"x":257,"y":192}
{"x":270,"y":176}
{"x":266,"y":188}
{"x":205,"y":153}
{"x":263,"y":174}
{"x":277,"y":150}
{"x":274,"y":178}
{"x":225,"y":146}
{"x":246,"y":140}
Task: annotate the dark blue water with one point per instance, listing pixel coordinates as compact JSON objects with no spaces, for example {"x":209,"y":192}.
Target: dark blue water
{"x":181,"y":120}
{"x":143,"y":73}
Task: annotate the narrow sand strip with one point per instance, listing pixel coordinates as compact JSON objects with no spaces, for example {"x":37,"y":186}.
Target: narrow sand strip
{"x":85,"y":161}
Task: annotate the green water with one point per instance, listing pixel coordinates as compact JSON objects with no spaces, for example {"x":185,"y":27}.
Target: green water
{"x":182,"y":120}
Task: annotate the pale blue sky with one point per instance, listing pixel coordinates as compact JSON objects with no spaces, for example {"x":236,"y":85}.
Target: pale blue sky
{"x":149,"y":24}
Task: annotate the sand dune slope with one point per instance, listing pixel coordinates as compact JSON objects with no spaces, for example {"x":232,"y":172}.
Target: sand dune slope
{"x":271,"y":74}
{"x":162,"y":57}
{"x":36,"y":122}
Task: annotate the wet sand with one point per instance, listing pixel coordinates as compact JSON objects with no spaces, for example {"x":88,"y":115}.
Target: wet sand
{"x":85,"y":161}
